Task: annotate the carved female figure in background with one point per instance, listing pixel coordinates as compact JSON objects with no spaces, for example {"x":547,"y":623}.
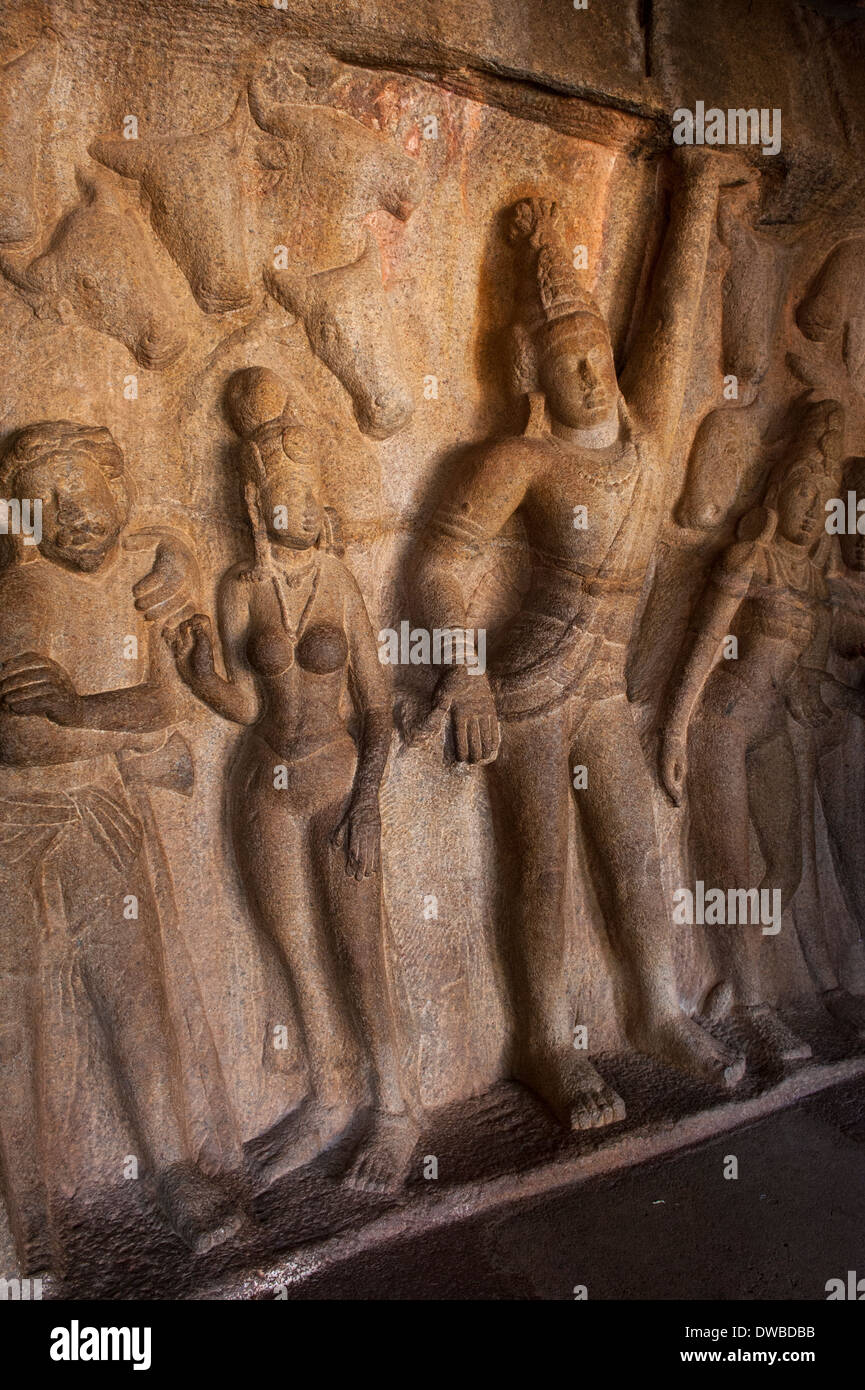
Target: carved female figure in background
{"x":767,"y":591}
{"x":303,"y":676}
{"x":838,"y":755}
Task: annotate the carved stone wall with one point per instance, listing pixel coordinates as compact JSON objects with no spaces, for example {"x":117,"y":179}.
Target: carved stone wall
{"x":523,"y":365}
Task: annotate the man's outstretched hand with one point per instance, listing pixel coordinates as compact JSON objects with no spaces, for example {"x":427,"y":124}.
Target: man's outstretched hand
{"x":169,"y":591}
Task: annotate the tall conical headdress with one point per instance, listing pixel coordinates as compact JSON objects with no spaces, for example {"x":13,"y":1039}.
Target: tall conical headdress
{"x":552,"y":289}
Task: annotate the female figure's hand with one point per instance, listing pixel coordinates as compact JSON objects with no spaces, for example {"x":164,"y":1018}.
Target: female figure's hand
{"x":360,"y":832}
{"x":805,"y":701}
{"x":192,"y":647}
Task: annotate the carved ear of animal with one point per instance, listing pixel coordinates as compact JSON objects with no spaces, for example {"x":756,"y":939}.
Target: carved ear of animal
{"x":835,"y":304}
{"x":281,"y":318}
{"x":290,"y":291}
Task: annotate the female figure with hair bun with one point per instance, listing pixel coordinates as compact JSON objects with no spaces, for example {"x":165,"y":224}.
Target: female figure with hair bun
{"x":303,"y":676}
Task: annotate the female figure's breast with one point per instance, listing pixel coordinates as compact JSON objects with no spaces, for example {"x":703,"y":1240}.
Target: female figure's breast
{"x":322,"y":649}
{"x":303,"y":682}
{"x":270,"y":651}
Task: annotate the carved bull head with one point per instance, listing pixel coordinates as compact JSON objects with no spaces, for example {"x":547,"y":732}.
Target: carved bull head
{"x":98,"y":267}
{"x":345,"y":170}
{"x":348,"y":323}
{"x":198,"y":204}
{"x":340,"y":173}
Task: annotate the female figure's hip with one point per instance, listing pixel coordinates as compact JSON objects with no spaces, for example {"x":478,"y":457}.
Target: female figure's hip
{"x":269,"y":784}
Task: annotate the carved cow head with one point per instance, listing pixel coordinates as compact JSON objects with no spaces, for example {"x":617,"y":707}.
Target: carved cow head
{"x":343,"y":168}
{"x":98,"y":267}
{"x":198,"y":204}
{"x":348,"y":323}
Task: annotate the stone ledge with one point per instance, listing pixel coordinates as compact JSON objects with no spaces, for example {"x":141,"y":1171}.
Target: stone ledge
{"x":639,"y":1145}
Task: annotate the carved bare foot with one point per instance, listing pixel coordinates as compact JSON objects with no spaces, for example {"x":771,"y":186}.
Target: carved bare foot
{"x":316,"y":1129}
{"x":197,"y":1207}
{"x":681,"y":1042}
{"x":770,"y":1036}
{"x":382,"y":1159}
{"x":847,"y":1008}
{"x":573,"y":1089}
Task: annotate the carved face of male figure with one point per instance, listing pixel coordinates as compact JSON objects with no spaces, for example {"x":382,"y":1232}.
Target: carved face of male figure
{"x":81,"y":516}
{"x":577,"y":371}
{"x":800,"y":508}
{"x":292,"y":504}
